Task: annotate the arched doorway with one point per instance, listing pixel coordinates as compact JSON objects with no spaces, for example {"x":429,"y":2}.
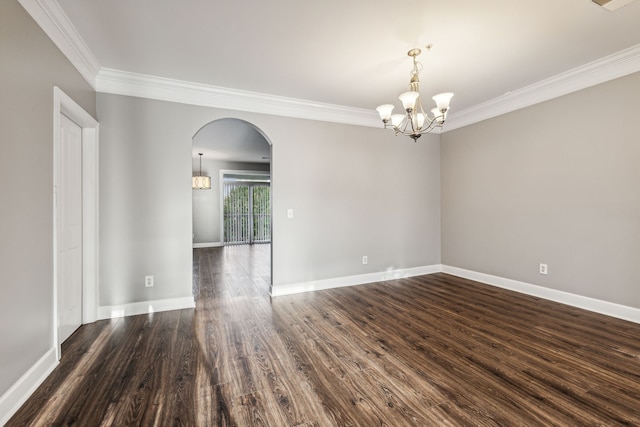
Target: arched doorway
{"x":237,"y":156}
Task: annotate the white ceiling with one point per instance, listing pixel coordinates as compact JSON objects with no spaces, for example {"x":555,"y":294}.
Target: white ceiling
{"x":231,"y":140}
{"x":353,"y":53}
{"x":495,"y":55}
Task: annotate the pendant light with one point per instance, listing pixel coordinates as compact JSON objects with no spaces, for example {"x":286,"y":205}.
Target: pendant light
{"x":201,"y":182}
{"x":414,"y":121}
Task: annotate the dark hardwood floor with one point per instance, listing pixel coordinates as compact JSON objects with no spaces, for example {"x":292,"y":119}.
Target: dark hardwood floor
{"x":434,"y":350}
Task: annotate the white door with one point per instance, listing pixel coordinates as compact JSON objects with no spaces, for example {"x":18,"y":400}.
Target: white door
{"x":69,"y":228}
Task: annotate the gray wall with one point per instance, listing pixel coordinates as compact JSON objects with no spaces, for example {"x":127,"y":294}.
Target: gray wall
{"x":555,"y":183}
{"x":30,"y":65}
{"x":206,"y":203}
{"x":354,"y":190}
{"x":145,"y":202}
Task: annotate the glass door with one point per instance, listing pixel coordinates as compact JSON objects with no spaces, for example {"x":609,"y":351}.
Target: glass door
{"x":247,"y":213}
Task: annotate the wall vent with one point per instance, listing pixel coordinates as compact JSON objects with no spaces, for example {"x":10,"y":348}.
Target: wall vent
{"x":612,"y":4}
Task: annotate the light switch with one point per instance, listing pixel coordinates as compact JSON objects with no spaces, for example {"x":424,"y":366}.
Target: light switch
{"x":289,"y":213}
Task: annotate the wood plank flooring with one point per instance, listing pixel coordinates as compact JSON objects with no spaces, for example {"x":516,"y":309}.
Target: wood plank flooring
{"x":434,"y":350}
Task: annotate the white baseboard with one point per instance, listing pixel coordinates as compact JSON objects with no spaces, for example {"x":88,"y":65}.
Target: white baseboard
{"x":619,"y":311}
{"x":208,"y":245}
{"x":22,"y":389}
{"x":359,"y":279}
{"x":144,"y":307}
{"x":603,"y":307}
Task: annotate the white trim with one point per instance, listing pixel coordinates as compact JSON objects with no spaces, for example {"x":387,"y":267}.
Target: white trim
{"x":144,"y":307}
{"x":117,"y":82}
{"x":243,"y":172}
{"x":617,"y":65}
{"x":63,"y":104}
{"x":22,"y":389}
{"x":618,"y":311}
{"x":360,"y":279}
{"x":603,"y":307}
{"x":152,"y":87}
{"x":90,"y":226}
{"x":208,"y":245}
{"x":55,"y":23}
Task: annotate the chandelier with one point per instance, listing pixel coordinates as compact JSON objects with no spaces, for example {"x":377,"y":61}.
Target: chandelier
{"x":415,"y":122}
{"x":200,"y":182}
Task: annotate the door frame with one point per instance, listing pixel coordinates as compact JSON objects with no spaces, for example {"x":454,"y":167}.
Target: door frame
{"x":63,"y":104}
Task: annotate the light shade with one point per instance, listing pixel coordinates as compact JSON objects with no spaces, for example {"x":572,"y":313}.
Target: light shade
{"x":438,"y":116}
{"x":408,"y":100}
{"x":201,"y":182}
{"x":443,"y":100}
{"x":385,"y":111}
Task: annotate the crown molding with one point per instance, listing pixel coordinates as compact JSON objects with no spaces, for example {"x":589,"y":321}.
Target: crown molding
{"x":610,"y":67}
{"x":152,"y":87}
{"x":55,"y":23}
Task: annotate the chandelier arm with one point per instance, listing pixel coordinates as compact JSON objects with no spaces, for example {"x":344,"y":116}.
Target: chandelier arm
{"x":406,"y":123}
{"x":428,"y":121}
{"x":431,"y":124}
{"x":430,"y":127}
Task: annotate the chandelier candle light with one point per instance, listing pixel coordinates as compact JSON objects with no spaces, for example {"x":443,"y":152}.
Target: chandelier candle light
{"x":415,"y":122}
{"x":201,"y":182}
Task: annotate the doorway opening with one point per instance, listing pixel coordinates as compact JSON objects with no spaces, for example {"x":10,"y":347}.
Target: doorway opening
{"x":237,"y":209}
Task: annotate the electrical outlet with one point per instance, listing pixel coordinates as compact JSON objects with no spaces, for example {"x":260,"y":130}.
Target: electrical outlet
{"x":148,"y":281}
{"x":365,"y":260}
{"x":543,"y":269}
